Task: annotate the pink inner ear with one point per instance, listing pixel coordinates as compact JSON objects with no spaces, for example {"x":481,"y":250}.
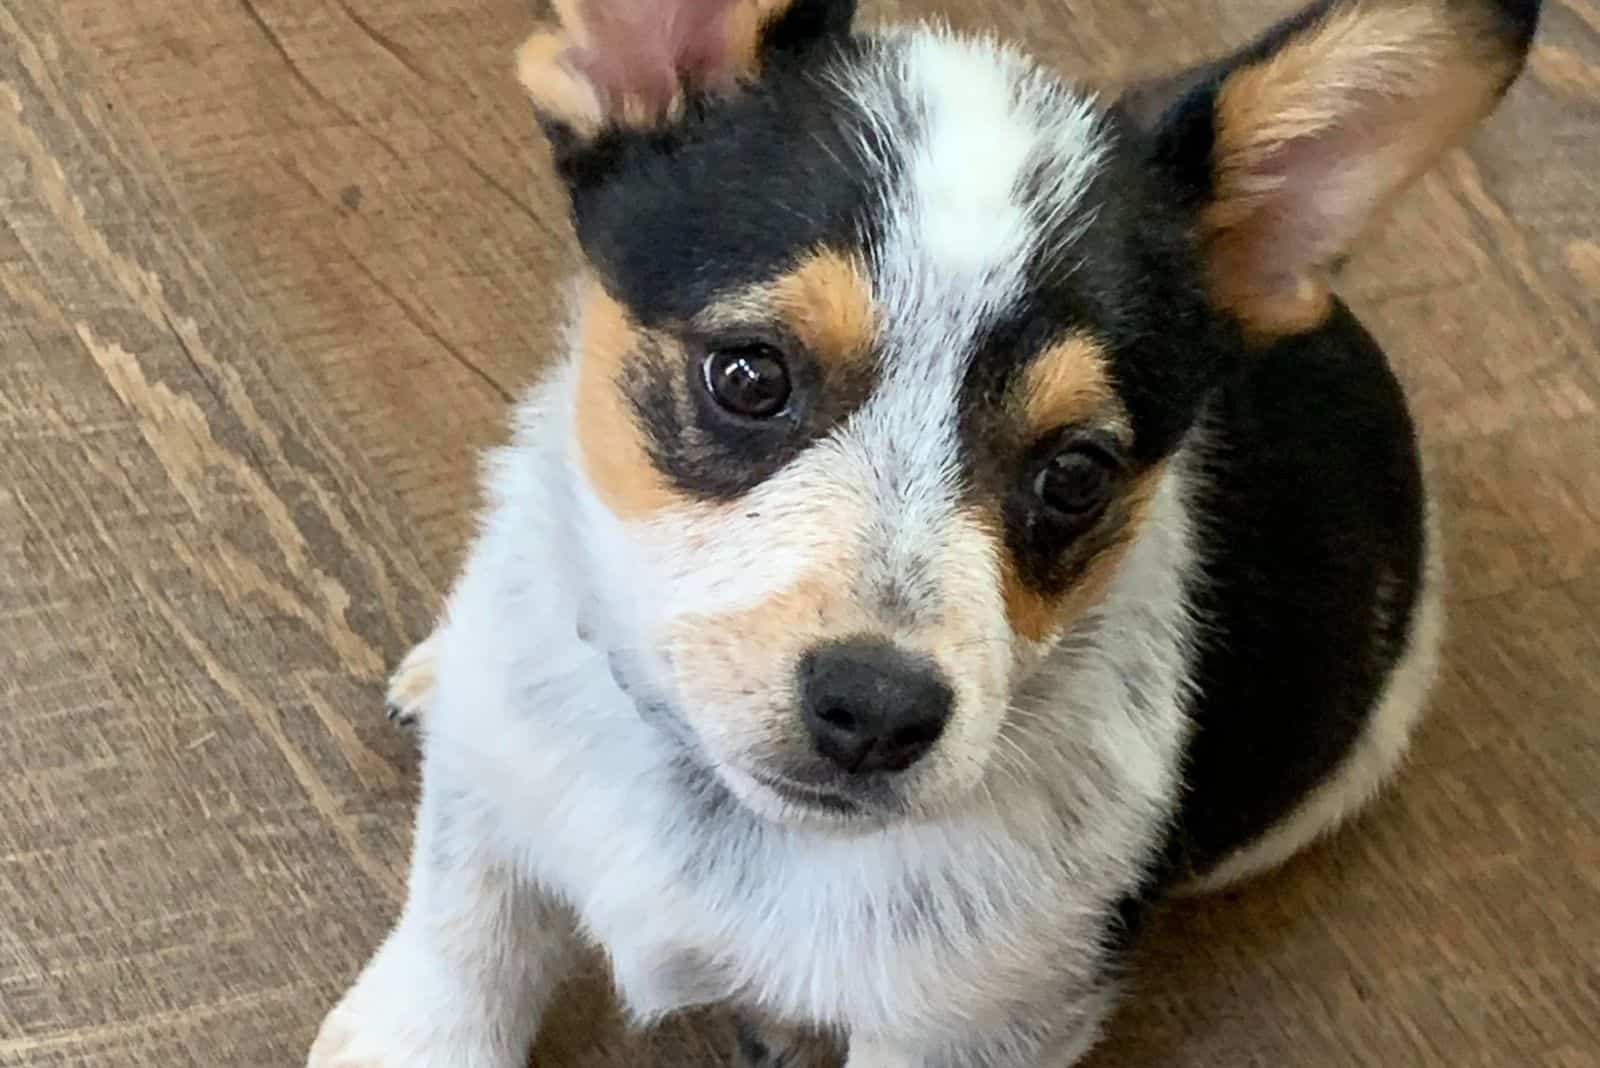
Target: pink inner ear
{"x":1326,"y":188}
{"x":650,"y":49}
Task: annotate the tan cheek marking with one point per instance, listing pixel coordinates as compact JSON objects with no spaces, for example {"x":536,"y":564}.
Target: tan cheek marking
{"x":1067,"y":383}
{"x":802,"y":608}
{"x":610,"y":440}
{"x":1036,"y":616}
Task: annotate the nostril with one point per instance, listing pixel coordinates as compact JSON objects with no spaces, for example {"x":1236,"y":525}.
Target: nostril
{"x":838,"y":716}
{"x":917,"y":735}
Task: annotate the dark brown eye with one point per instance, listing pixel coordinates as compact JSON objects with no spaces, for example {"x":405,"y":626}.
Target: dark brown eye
{"x":748,"y":380}
{"x":1076,"y":482}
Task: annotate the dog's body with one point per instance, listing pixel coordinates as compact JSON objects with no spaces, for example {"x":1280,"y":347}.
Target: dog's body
{"x":964,"y":515}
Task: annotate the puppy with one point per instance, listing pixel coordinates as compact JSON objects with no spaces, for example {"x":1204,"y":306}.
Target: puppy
{"x":964,"y":513}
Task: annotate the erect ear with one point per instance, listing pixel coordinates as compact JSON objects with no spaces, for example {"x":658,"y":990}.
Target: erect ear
{"x":633,"y":64}
{"x":1294,"y":145}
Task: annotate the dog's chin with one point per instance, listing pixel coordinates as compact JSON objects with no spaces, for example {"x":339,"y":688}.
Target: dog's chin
{"x":790,"y":803}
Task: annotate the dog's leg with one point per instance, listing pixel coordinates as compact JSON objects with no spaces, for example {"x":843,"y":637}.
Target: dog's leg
{"x":464,"y":976}
{"x":412,"y":684}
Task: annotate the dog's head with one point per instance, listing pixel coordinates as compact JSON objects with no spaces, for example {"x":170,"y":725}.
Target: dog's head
{"x":887,"y":340}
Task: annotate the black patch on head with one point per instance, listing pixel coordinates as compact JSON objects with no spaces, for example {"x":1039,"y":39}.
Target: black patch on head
{"x":729,"y":196}
{"x":1311,"y":516}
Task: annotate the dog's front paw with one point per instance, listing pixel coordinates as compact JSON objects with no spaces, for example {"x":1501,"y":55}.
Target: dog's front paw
{"x":346,"y":1040}
{"x":403,"y":1014}
{"x":353,"y":1038}
{"x":411,"y":686}
{"x":344,"y":1043}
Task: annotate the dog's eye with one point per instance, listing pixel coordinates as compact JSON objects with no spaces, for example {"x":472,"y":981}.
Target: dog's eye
{"x":1076,"y":482}
{"x":748,"y":380}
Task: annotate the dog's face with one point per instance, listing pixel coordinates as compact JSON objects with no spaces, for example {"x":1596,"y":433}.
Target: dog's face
{"x":887,"y":343}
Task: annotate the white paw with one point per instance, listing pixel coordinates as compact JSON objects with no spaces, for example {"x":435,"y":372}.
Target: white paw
{"x":348,"y":1041}
{"x":342,"y":1043}
{"x":411,"y":687}
{"x":350,"y":1038}
{"x":403,"y":1014}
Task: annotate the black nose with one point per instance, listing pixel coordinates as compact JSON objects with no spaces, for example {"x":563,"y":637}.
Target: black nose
{"x":872,"y":707}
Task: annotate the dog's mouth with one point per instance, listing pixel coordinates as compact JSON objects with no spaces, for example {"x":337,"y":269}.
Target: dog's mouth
{"x":806,"y":795}
{"x":851,"y":805}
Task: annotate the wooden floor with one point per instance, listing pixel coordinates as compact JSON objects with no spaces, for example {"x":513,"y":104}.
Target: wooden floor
{"x":269,"y":271}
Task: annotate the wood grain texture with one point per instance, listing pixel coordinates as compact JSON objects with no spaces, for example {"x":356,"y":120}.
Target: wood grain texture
{"x":269,"y":270}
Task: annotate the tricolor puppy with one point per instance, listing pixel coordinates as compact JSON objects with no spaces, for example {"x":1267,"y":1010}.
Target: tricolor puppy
{"x":964,"y":513}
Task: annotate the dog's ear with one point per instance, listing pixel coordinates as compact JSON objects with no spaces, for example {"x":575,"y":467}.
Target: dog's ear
{"x":1291,"y":147}
{"x":619,"y":65}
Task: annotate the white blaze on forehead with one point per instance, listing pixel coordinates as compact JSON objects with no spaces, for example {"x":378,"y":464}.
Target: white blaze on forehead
{"x":969,"y":127}
{"x":990,"y":157}
{"x":962,"y":177}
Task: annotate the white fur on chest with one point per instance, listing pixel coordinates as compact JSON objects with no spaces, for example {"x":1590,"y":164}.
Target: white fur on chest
{"x":698,"y":900}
